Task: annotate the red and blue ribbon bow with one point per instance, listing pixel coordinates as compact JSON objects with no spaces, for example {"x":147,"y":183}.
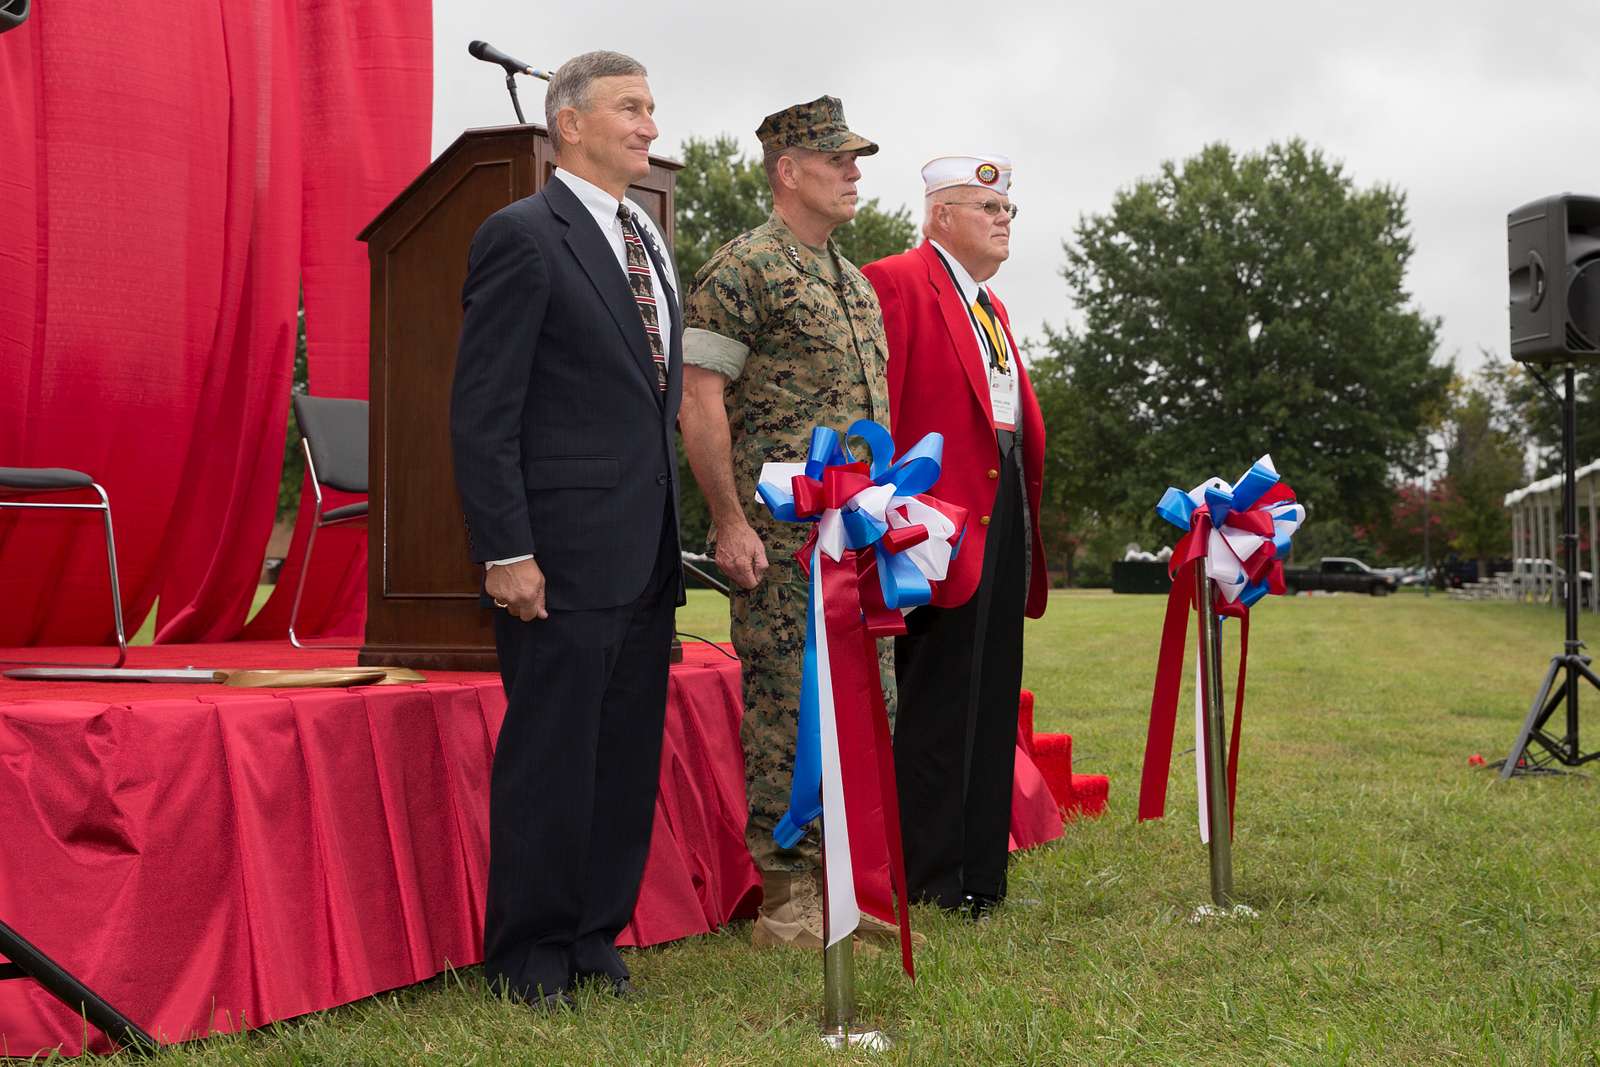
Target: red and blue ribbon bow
{"x":878,"y":548}
{"x":1240,"y":534}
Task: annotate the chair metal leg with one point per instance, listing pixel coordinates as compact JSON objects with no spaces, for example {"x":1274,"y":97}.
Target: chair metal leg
{"x":305,"y":562}
{"x":305,"y":568}
{"x":116,"y":586}
{"x":104,"y":507}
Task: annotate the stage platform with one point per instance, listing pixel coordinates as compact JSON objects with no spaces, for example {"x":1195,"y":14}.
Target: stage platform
{"x":208,"y":858}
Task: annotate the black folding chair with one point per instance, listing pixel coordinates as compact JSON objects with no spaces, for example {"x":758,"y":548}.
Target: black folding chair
{"x":28,"y":962}
{"x":333,"y":433}
{"x":32,"y":482}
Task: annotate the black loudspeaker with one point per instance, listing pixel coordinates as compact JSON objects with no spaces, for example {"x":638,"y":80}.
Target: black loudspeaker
{"x":1553,"y":256}
{"x":13,"y":13}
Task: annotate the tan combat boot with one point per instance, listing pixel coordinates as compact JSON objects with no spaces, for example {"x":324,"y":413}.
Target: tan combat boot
{"x":791,"y":911}
{"x":791,"y":916}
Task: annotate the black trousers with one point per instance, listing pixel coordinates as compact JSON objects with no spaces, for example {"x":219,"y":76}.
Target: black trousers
{"x":959,"y":672}
{"x":573,"y":790}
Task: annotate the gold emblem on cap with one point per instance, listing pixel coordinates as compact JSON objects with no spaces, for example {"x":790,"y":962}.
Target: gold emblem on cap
{"x":988,"y":173}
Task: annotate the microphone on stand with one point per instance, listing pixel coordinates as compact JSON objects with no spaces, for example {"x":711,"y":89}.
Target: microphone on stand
{"x":490,"y":54}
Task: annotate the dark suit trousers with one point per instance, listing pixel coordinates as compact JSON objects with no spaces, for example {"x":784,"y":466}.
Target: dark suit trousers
{"x":959,"y":671}
{"x":573,"y":790}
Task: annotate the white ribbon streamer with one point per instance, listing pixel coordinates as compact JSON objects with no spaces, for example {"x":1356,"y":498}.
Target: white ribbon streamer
{"x":844,"y":913}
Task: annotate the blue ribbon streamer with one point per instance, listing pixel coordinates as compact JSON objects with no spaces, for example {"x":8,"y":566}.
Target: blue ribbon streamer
{"x":902,"y":584}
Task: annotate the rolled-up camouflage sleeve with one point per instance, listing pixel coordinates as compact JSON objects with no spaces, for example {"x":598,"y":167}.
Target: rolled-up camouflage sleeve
{"x":714,"y":352}
{"x":719,"y":318}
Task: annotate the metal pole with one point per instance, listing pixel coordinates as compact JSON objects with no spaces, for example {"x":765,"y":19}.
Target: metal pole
{"x":1427,"y":556}
{"x":839,"y":990}
{"x":1569,"y":544}
{"x":839,"y":1030}
{"x":1517,"y":549}
{"x":1594,"y":547}
{"x":838,"y":976}
{"x":1216,"y":754}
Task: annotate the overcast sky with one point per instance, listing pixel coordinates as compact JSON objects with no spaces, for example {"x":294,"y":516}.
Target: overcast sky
{"x":1470,"y":108}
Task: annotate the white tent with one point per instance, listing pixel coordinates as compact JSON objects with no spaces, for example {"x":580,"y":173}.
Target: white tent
{"x":1536,"y":536}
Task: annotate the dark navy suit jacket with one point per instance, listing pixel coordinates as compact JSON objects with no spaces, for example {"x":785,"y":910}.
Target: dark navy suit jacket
{"x":564,"y":445}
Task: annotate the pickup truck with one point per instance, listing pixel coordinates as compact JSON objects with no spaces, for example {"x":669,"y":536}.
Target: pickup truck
{"x":1340,"y":573}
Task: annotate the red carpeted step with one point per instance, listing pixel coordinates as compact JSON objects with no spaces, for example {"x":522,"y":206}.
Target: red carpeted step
{"x":1091,"y":792}
{"x":1075,"y":794}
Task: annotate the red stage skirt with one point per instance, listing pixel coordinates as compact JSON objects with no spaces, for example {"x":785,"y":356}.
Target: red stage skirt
{"x":208,"y":858}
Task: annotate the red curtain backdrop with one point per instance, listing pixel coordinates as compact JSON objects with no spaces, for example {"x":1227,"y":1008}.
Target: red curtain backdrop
{"x":366,"y":106}
{"x":167,"y":173}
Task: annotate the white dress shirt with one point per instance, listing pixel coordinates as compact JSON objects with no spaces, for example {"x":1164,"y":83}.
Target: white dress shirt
{"x":969,"y":296}
{"x":1002,"y":386}
{"x":603,"y":207}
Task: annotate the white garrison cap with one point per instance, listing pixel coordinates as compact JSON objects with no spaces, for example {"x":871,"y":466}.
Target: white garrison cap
{"x":982,"y":172}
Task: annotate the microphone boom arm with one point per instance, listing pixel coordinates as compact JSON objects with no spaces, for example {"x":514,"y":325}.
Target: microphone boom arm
{"x":511,"y":87}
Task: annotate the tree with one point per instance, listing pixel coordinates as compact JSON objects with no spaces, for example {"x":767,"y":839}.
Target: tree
{"x":1239,"y":305}
{"x":719,"y":194}
{"x":1535,"y":414}
{"x":1399,"y":538}
{"x":1485,"y":462}
{"x":294,"y":457}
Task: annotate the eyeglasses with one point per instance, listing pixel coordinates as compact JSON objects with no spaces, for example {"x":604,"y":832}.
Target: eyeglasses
{"x":989,"y":207}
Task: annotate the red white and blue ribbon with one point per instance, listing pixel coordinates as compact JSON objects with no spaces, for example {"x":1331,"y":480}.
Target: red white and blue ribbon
{"x":878,"y":548}
{"x":1240,"y":534}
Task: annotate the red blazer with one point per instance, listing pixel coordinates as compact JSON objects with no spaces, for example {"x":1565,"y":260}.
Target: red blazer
{"x":938,"y":382}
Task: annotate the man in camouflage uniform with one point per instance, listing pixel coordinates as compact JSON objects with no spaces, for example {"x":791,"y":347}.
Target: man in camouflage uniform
{"x":782,"y":334}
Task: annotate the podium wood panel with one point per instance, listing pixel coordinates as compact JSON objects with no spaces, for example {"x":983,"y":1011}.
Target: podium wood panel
{"x":422,"y":589}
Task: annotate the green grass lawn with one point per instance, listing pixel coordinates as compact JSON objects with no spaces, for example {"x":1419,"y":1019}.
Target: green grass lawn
{"x":1412,"y":909}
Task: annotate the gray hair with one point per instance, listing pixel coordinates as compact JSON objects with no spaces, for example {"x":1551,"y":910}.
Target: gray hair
{"x":941,"y":196}
{"x":569,"y":85}
{"x":770,"y":154}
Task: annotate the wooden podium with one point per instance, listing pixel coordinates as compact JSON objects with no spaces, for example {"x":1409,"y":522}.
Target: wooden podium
{"x":422,"y":589}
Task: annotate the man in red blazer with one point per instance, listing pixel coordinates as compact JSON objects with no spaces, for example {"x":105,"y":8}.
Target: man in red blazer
{"x":954,"y":368}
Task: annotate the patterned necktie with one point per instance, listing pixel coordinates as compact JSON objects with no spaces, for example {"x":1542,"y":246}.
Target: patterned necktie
{"x":644,"y":292}
{"x":983,"y":311}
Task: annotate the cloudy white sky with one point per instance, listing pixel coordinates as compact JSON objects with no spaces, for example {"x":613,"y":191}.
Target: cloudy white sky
{"x":1471,"y":108}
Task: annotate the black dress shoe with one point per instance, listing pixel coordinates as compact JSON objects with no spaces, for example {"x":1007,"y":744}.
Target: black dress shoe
{"x":551,"y":1003}
{"x":617,"y":985}
{"x":978,"y":905}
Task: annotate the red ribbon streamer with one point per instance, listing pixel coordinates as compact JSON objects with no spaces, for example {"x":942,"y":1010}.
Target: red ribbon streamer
{"x":1169,"y":678}
{"x":866,"y":756}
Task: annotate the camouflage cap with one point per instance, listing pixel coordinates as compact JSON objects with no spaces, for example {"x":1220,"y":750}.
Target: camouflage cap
{"x":818,"y":125}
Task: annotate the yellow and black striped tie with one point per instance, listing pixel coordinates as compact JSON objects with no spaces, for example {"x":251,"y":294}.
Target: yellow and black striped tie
{"x":983,"y":311}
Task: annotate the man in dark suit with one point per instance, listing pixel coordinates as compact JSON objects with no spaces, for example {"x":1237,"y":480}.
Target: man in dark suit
{"x":954,"y":369}
{"x":567,"y":386}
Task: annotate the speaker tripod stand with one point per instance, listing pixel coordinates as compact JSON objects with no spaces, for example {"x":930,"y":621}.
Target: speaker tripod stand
{"x":1568,"y":670}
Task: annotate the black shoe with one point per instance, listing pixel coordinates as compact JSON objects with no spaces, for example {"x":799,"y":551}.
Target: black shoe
{"x":618,"y":986}
{"x":978,"y":906}
{"x":553,"y":1002}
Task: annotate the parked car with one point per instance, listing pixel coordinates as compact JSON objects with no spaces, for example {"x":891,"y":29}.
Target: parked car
{"x":1340,"y":573}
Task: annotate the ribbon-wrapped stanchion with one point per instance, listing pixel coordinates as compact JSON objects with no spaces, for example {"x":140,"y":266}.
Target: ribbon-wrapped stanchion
{"x":878,"y":547}
{"x":1238,"y":536}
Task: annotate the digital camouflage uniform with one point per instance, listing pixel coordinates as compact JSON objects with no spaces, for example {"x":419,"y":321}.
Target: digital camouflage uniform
{"x":816,"y":357}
